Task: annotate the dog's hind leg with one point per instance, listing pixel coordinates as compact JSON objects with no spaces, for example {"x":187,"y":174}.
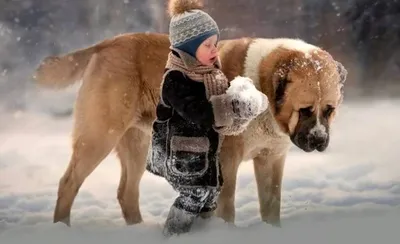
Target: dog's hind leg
{"x":88,"y":151}
{"x":105,"y":108}
{"x":132,"y":151}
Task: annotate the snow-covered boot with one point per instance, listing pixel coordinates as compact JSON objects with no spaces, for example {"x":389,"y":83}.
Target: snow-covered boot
{"x":208,"y":210}
{"x":206,"y":215}
{"x":178,"y":221}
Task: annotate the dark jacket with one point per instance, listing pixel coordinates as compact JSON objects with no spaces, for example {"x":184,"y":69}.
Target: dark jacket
{"x":184,"y":144}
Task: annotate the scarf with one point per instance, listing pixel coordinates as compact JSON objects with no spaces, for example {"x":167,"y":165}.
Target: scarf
{"x":214,"y":80}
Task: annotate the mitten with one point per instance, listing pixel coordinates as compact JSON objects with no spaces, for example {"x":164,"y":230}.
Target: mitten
{"x":222,"y":109}
{"x":247,"y":101}
{"x":225,"y":121}
{"x":238,"y":126}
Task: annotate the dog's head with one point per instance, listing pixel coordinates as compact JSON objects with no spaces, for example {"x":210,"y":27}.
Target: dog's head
{"x":305,"y":92}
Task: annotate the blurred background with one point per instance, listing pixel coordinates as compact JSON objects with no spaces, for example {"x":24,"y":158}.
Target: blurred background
{"x":362,"y":34}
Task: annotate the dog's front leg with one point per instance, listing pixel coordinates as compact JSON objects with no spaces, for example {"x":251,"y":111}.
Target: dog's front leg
{"x":268,"y":169}
{"x":230,"y":159}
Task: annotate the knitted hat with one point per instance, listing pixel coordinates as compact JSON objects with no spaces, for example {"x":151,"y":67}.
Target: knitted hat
{"x":189,"y":25}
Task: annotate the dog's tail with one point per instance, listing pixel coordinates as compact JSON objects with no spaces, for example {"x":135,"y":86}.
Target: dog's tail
{"x":58,"y":72}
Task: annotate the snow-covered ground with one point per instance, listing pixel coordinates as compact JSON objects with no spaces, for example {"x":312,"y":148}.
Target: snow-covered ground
{"x":351,"y":189}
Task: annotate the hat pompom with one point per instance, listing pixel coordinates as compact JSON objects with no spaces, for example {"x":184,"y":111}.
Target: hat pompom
{"x":180,"y":6}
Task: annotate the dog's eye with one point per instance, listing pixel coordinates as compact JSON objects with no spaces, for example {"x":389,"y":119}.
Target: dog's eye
{"x":328,"y":111}
{"x":306,"y":112}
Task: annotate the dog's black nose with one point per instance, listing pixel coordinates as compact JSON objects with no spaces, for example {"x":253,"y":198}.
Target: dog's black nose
{"x":319,"y":143}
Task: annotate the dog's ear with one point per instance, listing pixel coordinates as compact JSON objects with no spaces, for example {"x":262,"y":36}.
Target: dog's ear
{"x":342,"y":72}
{"x":279,"y":82}
{"x":343,"y":76}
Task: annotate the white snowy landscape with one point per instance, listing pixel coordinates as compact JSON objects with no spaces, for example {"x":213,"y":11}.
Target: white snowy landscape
{"x":348,"y":194}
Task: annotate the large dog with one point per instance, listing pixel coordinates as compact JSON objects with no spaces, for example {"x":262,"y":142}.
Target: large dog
{"x":117,"y":100}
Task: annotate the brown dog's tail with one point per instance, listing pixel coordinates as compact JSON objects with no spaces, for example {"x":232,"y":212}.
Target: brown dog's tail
{"x":61,"y":71}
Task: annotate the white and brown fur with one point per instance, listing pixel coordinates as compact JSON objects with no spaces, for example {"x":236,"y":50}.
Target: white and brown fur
{"x":120,"y":89}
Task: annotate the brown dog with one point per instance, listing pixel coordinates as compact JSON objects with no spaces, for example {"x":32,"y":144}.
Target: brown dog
{"x":116,"y":104}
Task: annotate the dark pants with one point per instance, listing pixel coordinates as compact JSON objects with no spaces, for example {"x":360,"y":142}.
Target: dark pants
{"x":191,"y":202}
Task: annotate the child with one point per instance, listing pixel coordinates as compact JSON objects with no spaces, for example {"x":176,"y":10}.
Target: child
{"x":193,"y":115}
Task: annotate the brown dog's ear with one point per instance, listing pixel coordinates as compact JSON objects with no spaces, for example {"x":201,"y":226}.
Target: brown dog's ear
{"x":342,"y":72}
{"x":280,"y":82}
{"x":343,"y":75}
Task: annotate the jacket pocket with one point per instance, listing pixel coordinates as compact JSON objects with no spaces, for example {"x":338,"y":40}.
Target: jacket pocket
{"x":189,"y":156}
{"x":157,"y":152}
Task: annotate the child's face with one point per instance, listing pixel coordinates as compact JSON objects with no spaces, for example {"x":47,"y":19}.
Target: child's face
{"x":207,"y":52}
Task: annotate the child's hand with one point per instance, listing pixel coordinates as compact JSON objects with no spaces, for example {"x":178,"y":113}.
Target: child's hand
{"x":242,"y":109}
{"x":234,"y":110}
{"x":247,"y":101}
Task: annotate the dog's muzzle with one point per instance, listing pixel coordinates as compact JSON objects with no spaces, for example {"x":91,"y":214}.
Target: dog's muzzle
{"x":309,"y":141}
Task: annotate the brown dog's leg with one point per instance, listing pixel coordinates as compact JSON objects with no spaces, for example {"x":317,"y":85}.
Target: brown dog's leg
{"x":105,"y":107}
{"x":268,"y":169}
{"x":230,"y":161}
{"x":132,"y":151}
{"x":88,"y":151}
